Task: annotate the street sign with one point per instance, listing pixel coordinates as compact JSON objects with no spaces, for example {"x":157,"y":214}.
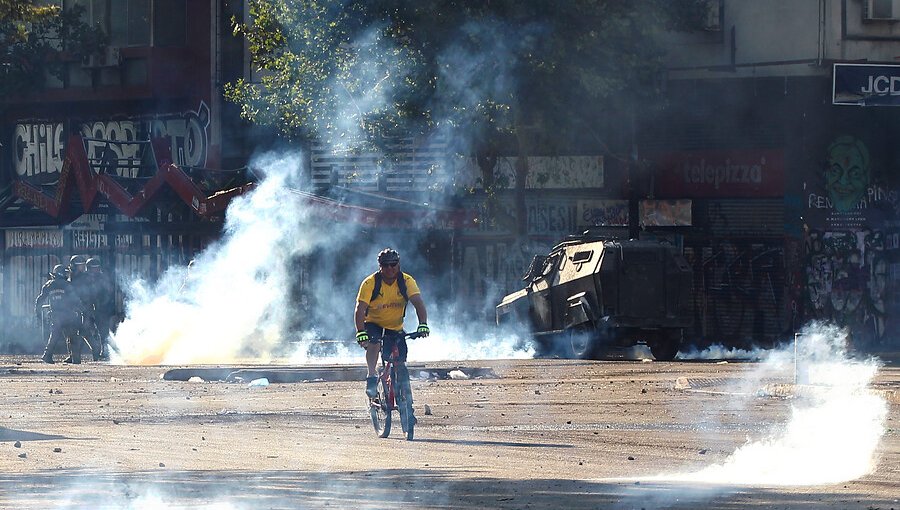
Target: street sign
{"x":866,"y":85}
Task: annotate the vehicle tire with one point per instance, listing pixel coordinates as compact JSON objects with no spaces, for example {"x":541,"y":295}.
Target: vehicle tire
{"x":380,"y":411}
{"x":581,"y":343}
{"x":664,"y":345}
{"x":405,"y":402}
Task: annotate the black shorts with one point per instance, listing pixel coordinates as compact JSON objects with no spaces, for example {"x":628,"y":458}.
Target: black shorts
{"x":387,"y":338}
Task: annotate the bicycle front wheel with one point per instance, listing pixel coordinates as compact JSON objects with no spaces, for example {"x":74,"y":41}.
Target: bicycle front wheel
{"x":405,"y":402}
{"x":378,"y":418}
{"x":380,"y":410}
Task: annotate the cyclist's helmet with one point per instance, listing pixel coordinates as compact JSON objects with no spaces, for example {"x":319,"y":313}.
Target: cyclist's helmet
{"x":76,"y":260}
{"x":387,"y":256}
{"x":93,"y":262}
{"x":58,"y":271}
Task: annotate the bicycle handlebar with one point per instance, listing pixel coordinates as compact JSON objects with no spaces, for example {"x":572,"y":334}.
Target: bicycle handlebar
{"x":412,"y":335}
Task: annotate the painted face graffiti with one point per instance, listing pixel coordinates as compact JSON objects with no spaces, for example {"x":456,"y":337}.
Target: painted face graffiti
{"x":847,"y":172}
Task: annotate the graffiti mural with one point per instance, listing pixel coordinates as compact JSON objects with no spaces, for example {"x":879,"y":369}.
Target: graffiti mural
{"x":846,"y":194}
{"x":847,"y":278}
{"x":849,"y":249}
{"x":39,"y":147}
{"x":847,"y":174}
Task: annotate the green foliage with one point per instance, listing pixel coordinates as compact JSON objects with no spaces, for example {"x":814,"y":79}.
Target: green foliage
{"x":344,"y":71}
{"x":325,"y":69}
{"x":36,"y":40}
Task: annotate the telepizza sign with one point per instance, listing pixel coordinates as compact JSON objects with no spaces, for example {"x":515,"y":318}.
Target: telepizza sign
{"x":720,"y":174}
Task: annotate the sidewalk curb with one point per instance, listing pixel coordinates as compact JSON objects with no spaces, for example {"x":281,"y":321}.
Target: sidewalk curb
{"x":806,"y":390}
{"x":775,"y":390}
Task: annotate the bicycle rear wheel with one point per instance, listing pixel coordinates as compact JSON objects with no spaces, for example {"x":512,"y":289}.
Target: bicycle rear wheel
{"x":405,"y":402}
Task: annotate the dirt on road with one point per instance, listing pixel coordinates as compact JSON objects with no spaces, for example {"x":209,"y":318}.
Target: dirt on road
{"x":541,"y":434}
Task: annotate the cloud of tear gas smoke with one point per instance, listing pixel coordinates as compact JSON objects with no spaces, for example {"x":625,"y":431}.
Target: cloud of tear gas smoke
{"x":233,"y":302}
{"x":154,"y":501}
{"x":834,"y":427}
{"x":282,"y":280}
{"x":236,"y":303}
{"x":477,"y":71}
{"x":721,"y":352}
{"x":369,"y":92}
{"x":480,"y":65}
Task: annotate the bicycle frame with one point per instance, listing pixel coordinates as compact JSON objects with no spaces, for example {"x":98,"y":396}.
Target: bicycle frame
{"x":391,"y":374}
{"x":387,"y":376}
{"x":388,"y":372}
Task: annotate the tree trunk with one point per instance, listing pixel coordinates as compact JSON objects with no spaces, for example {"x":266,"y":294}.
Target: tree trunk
{"x":486,"y":157}
{"x":524,"y":148}
{"x":519,"y":197}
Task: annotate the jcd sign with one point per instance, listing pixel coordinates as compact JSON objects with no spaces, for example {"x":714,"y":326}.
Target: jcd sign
{"x":866,"y":85}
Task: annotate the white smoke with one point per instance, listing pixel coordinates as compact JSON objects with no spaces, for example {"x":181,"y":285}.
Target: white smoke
{"x":721,"y":352}
{"x":236,"y":304}
{"x":154,"y":501}
{"x":456,"y":346}
{"x":233,"y":304}
{"x":835,"y":426}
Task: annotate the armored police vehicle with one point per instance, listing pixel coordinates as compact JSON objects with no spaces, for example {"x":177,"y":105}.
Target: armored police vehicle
{"x":594,"y":293}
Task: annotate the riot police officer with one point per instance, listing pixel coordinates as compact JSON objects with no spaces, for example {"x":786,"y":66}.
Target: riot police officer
{"x":41,"y":305}
{"x":100,"y":300}
{"x":80,"y":286}
{"x":65,"y":313}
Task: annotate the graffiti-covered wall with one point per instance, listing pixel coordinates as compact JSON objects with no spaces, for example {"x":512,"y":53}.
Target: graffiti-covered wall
{"x":39,"y":146}
{"x":851,"y":225}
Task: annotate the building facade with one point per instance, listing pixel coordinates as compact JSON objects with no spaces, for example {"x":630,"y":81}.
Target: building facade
{"x":781,"y":131}
{"x":69,"y":150}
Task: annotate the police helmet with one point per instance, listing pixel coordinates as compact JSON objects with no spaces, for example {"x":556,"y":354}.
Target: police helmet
{"x":76,"y":260}
{"x":388,"y":255}
{"x":93,"y":262}
{"x":58,"y":271}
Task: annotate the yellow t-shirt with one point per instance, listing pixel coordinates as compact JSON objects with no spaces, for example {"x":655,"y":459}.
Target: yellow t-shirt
{"x":388,"y":307}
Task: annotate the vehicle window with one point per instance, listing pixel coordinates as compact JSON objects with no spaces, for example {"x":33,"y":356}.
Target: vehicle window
{"x":581,"y":257}
{"x":552,"y":261}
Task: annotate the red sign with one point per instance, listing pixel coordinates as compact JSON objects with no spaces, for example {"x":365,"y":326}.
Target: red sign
{"x":720,"y":174}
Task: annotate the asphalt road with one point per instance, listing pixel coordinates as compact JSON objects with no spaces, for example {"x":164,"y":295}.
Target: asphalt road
{"x":537,"y":434}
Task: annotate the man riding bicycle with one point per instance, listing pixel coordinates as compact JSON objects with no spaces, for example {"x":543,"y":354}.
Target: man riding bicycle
{"x":380,"y":308}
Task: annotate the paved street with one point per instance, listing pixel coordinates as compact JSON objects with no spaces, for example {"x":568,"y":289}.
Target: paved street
{"x":535,"y":434}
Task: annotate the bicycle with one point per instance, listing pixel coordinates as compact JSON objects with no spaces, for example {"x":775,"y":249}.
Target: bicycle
{"x":394,"y":392}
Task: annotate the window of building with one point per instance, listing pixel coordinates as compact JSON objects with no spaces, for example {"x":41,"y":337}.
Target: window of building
{"x":129,"y":23}
{"x":169,"y":21}
{"x":137,"y":22}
